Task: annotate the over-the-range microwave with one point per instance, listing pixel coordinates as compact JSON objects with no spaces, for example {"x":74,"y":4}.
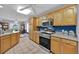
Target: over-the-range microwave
{"x":47,"y":22}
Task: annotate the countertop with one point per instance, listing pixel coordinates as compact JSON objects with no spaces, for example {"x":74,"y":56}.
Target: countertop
{"x":8,"y":33}
{"x":61,"y":35}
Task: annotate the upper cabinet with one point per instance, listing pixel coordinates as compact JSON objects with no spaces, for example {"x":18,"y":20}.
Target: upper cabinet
{"x":38,"y":21}
{"x":34,"y":22}
{"x":69,"y":15}
{"x":64,"y":16}
{"x":61,"y":17}
{"x":49,"y":15}
{"x":58,"y":17}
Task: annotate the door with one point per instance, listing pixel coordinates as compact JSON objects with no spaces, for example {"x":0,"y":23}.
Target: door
{"x":5,"y":43}
{"x":55,"y":45}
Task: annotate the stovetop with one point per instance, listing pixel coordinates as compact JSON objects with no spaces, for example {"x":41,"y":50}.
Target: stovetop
{"x":47,"y":32}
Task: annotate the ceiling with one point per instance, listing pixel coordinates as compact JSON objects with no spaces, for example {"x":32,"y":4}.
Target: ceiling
{"x":9,"y":11}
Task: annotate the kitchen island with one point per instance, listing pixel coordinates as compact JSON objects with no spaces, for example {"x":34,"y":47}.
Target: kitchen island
{"x":8,"y":40}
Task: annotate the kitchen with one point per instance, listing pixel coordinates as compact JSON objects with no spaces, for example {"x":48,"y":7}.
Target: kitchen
{"x":48,"y":29}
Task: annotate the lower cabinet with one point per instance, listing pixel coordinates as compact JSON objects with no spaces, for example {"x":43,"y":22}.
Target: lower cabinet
{"x":55,"y":45}
{"x":8,"y":41}
{"x":63,"y":46}
{"x":18,"y":37}
{"x":13,"y":39}
{"x":69,"y":47}
{"x":5,"y":43}
{"x":37,"y":37}
{"x":33,"y":36}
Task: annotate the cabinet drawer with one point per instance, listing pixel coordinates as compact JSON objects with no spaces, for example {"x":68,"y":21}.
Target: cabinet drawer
{"x":3,"y":37}
{"x":55,"y":38}
{"x":69,"y":42}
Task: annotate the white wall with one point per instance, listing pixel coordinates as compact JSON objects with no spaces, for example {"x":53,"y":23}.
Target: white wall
{"x":27,"y":26}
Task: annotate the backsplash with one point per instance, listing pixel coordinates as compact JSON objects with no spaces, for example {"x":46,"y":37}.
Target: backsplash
{"x":66,"y":28}
{"x":60,"y":28}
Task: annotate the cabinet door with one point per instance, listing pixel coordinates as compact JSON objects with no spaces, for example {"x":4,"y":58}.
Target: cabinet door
{"x":17,"y":37}
{"x":30,"y":31}
{"x":50,"y":15}
{"x":37,"y":37}
{"x":70,"y":16}
{"x":69,"y":47}
{"x":33,"y":36}
{"x":5,"y":43}
{"x":58,"y":17}
{"x":36,"y":22}
{"x":30,"y":34}
{"x":13,"y":39}
{"x":39,"y":21}
{"x":55,"y":45}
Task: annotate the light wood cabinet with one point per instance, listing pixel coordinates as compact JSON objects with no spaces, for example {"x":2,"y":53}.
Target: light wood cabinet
{"x":37,"y":37}
{"x":31,"y":28}
{"x":55,"y":45}
{"x":49,"y":15}
{"x":34,"y":22}
{"x":63,"y":46}
{"x":30,"y":34}
{"x":58,"y":17}
{"x":18,"y":37}
{"x":33,"y":36}
{"x":37,"y":21}
{"x":8,"y":41}
{"x":69,"y":47}
{"x":64,"y":16}
{"x":5,"y":43}
{"x":13,"y":39}
{"x":70,"y":16}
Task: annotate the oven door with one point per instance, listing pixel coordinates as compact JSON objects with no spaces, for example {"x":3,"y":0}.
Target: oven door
{"x":45,"y":42}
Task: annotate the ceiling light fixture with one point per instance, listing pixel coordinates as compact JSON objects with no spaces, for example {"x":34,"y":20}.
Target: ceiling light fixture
{"x":25,"y":11}
{"x":1,"y":6}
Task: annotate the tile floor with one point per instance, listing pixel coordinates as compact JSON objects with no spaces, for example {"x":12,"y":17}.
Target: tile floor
{"x":26,"y":46}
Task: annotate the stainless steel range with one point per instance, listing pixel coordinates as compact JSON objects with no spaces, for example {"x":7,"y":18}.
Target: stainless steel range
{"x":44,"y":39}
